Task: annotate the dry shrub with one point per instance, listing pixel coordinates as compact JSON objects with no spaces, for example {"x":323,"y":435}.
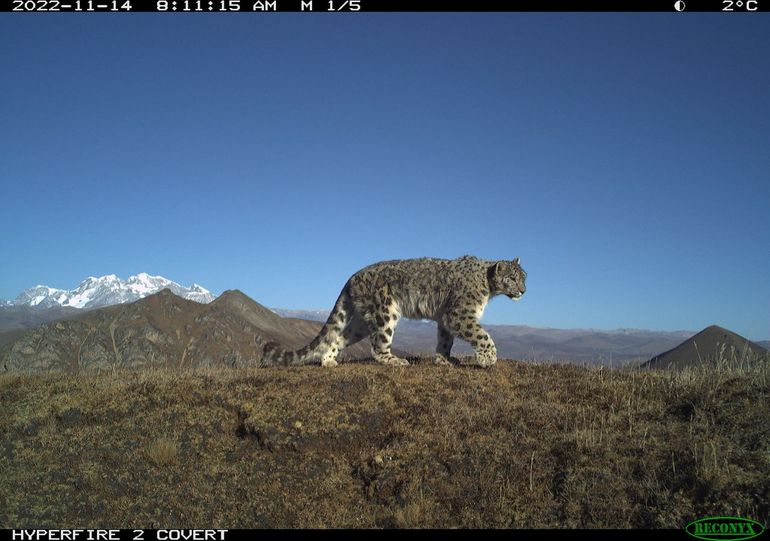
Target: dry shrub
{"x":162,"y":451}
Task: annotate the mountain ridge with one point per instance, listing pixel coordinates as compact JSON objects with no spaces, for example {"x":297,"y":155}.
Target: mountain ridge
{"x":713,"y":346}
{"x":159,"y":330}
{"x":297,"y":327}
{"x":107,"y":290}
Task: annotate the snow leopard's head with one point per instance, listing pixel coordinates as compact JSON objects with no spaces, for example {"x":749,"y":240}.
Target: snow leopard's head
{"x":508,"y":278}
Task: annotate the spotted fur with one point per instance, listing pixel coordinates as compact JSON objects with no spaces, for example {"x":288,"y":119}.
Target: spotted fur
{"x":453,"y":293}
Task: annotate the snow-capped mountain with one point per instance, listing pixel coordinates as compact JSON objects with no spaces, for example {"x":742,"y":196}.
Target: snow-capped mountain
{"x":107,"y":290}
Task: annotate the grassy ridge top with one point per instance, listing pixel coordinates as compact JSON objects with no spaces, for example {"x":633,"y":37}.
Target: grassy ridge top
{"x":361,"y":445}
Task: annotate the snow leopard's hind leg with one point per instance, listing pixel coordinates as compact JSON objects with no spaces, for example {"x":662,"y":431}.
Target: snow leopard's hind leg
{"x":348,"y":328}
{"x":337,"y":338}
{"x":443,"y":345}
{"x":382,"y":316}
{"x":354,"y":331}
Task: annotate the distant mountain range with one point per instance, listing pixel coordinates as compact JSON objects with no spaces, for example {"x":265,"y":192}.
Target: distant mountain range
{"x":312,"y":315}
{"x":44,"y":315}
{"x":159,"y":330}
{"x":41,"y":304}
{"x":105,"y":291}
{"x":534,"y":343}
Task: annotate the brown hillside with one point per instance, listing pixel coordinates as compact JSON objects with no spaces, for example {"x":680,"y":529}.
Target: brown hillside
{"x":710,"y":347}
{"x":161,"y":330}
{"x":519,"y":445}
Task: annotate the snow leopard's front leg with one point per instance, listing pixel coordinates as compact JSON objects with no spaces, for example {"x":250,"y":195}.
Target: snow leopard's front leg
{"x":465,"y":325}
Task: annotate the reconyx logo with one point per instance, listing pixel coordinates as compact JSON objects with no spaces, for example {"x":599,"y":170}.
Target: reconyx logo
{"x":724,"y":528}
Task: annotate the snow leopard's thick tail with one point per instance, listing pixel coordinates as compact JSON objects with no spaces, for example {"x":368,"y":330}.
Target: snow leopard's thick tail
{"x":326,"y":346}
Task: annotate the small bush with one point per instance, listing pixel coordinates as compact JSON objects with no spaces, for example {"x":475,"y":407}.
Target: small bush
{"x":162,"y":451}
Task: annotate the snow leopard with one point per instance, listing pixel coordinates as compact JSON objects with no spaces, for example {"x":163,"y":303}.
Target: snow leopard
{"x":453,"y":293}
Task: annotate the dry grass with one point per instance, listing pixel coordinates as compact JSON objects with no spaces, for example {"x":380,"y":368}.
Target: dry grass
{"x":162,"y":451}
{"x":519,"y":445}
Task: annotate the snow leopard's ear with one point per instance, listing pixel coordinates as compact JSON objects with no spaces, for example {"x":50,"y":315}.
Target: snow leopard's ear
{"x":516,"y":261}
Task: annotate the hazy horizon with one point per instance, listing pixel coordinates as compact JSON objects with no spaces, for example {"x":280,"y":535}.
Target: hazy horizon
{"x":620,"y":156}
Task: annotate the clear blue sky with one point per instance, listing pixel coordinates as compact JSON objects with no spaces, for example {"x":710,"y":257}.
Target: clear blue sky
{"x":624,"y":157}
